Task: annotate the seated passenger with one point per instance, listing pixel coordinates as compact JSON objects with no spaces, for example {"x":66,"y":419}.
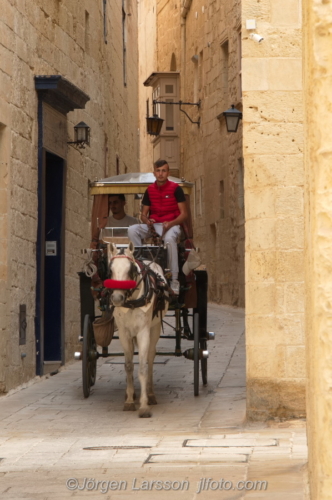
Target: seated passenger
{"x":119,"y":218}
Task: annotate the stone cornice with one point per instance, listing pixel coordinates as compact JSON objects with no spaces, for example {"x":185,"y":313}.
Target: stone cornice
{"x":60,"y":93}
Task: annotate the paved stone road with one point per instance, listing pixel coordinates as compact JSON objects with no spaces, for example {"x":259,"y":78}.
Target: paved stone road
{"x":192,"y":447}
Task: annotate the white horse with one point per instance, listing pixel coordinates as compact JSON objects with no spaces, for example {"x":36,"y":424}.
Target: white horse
{"x":134,"y":292}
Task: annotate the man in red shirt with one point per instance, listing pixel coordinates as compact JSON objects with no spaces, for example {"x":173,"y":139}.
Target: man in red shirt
{"x":164,"y":208}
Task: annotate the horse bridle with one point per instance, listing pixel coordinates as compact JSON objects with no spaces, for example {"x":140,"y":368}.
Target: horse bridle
{"x":133,"y":272}
{"x":148,"y":289}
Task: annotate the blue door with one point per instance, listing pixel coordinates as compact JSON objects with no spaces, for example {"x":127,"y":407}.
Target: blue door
{"x":54,"y":258}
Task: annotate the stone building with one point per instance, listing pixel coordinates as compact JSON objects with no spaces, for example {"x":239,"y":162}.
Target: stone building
{"x":318,"y":242}
{"x":196,"y":58}
{"x":286,"y":189}
{"x":274,"y":204}
{"x":287,"y":84}
{"x":208,"y":51}
{"x":61,"y":62}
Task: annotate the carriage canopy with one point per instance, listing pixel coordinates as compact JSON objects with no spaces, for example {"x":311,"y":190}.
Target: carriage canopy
{"x":132,"y":183}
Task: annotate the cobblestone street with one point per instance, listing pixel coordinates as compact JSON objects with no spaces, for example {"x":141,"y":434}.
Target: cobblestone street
{"x":50,"y":433}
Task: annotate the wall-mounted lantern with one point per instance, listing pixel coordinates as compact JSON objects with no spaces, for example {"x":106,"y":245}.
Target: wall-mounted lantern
{"x":154,"y":123}
{"x":82,"y":136}
{"x":233,"y":117}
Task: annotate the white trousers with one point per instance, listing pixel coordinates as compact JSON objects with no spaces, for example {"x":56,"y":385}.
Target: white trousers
{"x":139,"y":231}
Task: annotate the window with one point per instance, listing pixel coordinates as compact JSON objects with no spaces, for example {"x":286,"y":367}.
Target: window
{"x":200,"y":74}
{"x":241,"y":189}
{"x":224,"y":70}
{"x":87,"y":32}
{"x":213,"y":232}
{"x":105,"y":20}
{"x":222,"y":199}
{"x":124,"y":42}
{"x":239,"y":77}
{"x":196,"y":78}
{"x":155,"y":95}
{"x":173,"y":63}
{"x":198,"y":197}
{"x":169,"y":115}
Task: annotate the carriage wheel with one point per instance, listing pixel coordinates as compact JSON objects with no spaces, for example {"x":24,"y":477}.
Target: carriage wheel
{"x":196,"y":354}
{"x":201,"y":309}
{"x":89,"y":364}
{"x":203,"y":346}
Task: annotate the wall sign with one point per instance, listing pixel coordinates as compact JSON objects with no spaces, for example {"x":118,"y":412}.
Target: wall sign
{"x":51,"y":248}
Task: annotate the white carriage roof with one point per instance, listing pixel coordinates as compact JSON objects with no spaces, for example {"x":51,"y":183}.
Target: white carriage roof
{"x":132,"y":183}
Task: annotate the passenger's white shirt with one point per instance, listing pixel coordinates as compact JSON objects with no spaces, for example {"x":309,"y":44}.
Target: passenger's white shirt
{"x":126,"y":221}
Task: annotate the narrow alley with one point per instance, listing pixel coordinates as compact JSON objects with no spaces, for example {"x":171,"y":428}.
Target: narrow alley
{"x":54,"y":444}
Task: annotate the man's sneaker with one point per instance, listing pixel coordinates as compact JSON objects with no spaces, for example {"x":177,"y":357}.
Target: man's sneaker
{"x":175,"y":286}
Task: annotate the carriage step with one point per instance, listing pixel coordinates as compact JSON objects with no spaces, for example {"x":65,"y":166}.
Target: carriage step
{"x":211,"y":335}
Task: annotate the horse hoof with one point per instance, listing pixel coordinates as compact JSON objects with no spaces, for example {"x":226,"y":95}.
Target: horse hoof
{"x":129,"y":407}
{"x":144,"y":413}
{"x":152,"y":400}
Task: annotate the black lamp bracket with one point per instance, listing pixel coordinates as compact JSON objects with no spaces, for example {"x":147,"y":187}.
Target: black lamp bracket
{"x":181,"y":103}
{"x":77,"y":144}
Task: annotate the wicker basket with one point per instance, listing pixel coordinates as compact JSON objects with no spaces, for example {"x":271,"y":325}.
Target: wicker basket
{"x":103,"y":329}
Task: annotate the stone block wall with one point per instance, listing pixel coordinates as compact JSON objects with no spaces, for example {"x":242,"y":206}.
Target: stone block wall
{"x":318,"y":215}
{"x":147,"y":42}
{"x":212,"y":158}
{"x":194,"y":34}
{"x":83,"y":44}
{"x":274,"y":204}
{"x":169,"y":34}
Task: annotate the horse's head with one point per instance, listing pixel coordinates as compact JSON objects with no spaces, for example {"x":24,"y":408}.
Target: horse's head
{"x":122,"y":273}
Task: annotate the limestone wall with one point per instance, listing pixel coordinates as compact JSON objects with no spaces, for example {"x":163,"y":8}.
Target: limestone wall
{"x":67,"y":39}
{"x":147,"y":42}
{"x":196,"y":36}
{"x":274,"y":197}
{"x":156,"y":46}
{"x":317,"y":70}
{"x":211,"y":157}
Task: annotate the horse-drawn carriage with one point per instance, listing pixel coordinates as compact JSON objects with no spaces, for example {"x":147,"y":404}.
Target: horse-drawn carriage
{"x":132,"y":285}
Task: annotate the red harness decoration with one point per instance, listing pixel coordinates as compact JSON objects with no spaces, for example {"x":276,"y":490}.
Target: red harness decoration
{"x":120,"y":285}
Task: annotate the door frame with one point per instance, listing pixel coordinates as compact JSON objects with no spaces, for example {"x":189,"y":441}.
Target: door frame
{"x":40,"y":250}
{"x":61,"y":96}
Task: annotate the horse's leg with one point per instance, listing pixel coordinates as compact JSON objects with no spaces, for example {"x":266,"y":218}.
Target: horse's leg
{"x":128,"y":349}
{"x":154,"y":337}
{"x":143,"y":341}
